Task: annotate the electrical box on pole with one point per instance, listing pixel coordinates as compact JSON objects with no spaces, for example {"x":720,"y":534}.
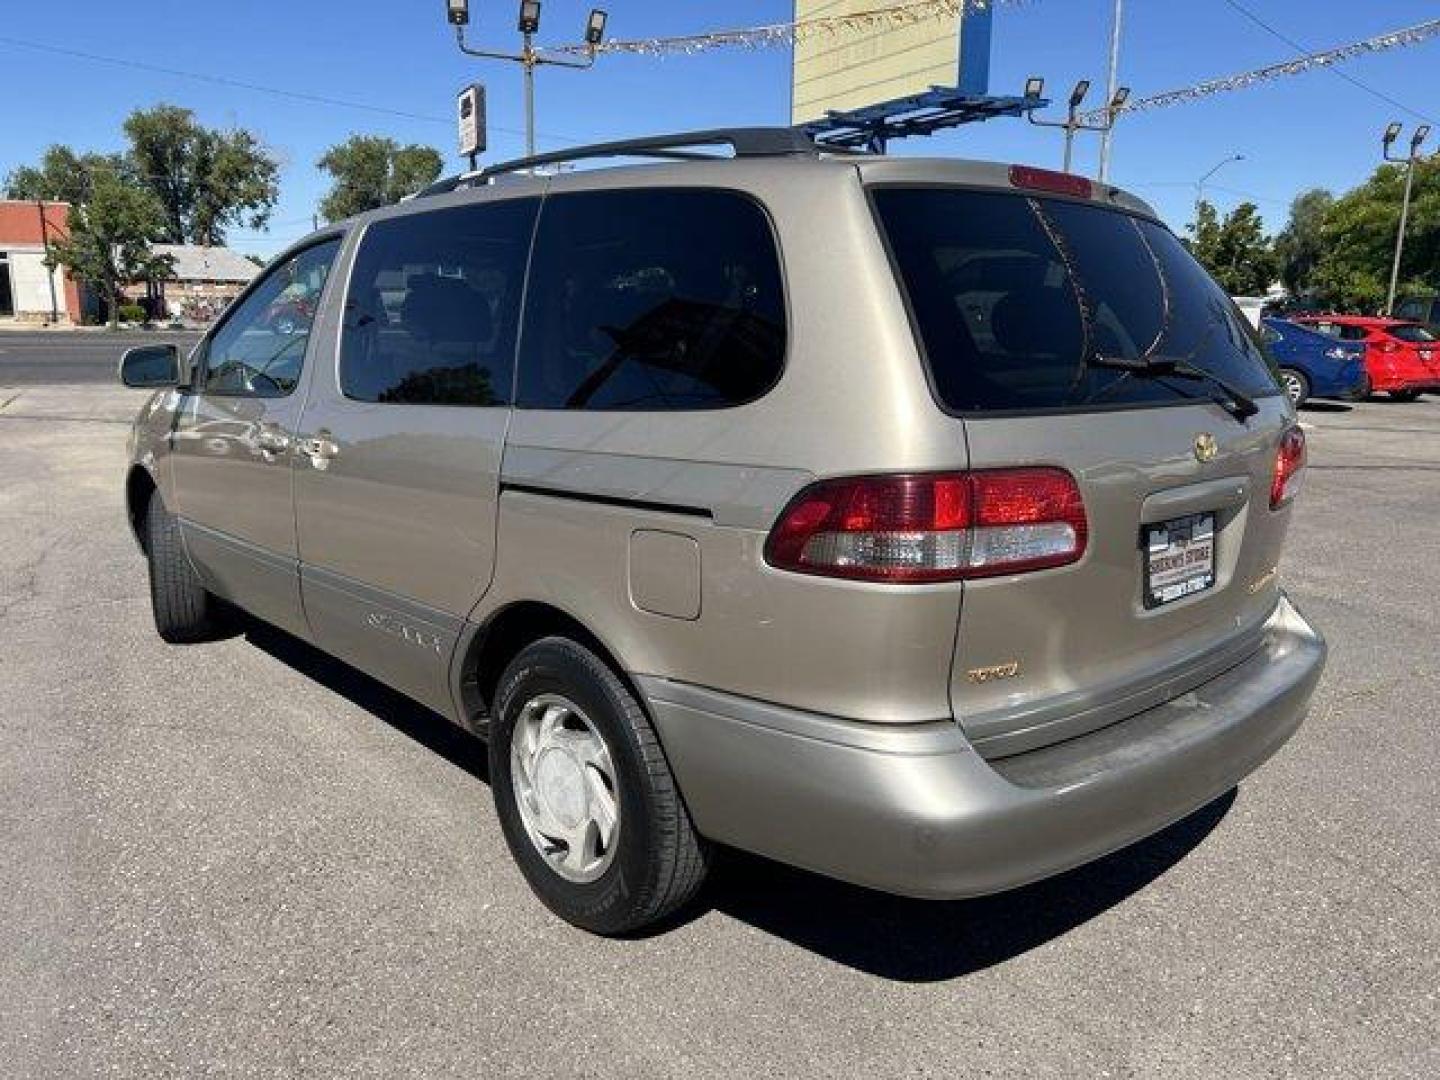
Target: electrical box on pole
{"x":470,"y":112}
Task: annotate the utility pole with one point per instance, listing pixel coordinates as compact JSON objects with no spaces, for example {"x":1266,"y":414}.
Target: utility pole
{"x":1200,"y":186}
{"x":1035,"y":86}
{"x":529,"y":57}
{"x":1392,"y":133}
{"x":49,"y":270}
{"x":1110,"y":88}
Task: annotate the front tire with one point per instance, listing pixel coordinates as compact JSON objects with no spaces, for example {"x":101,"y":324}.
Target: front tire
{"x":585,"y":797}
{"x":184,"y":612}
{"x":1296,"y":386}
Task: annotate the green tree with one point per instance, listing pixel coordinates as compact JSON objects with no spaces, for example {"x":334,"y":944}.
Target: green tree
{"x":62,"y":176}
{"x":1300,"y":244}
{"x":110,"y":235}
{"x":206,"y":180}
{"x":1234,"y":249}
{"x":371,"y":171}
{"x":1353,"y":271}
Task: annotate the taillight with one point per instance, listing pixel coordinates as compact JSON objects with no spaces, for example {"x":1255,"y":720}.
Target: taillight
{"x":1027,"y":176}
{"x":1289,"y":468}
{"x":926,"y":527}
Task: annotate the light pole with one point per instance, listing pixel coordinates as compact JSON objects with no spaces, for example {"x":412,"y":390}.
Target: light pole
{"x":1200,"y":186}
{"x":1112,"y":89}
{"x":529,"y":57}
{"x":1392,"y":132}
{"x":1072,"y":123}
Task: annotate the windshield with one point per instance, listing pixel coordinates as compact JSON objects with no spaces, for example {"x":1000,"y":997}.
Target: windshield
{"x":1412,"y":333}
{"x":1017,"y":297}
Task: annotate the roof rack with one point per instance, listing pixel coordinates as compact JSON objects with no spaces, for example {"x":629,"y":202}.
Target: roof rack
{"x":744,"y":142}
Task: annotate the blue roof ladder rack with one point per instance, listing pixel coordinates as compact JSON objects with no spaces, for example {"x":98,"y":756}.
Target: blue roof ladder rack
{"x":872,"y":127}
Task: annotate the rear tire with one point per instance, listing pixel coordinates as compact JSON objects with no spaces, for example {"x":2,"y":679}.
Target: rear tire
{"x":1296,"y":386}
{"x":657,"y":861}
{"x":1404,"y":395}
{"x":184,"y":612}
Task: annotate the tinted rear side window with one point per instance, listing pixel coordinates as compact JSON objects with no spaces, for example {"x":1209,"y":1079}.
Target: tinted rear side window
{"x":652,"y":300}
{"x":434,"y":306}
{"x":1014,"y":296}
{"x":1416,"y":334}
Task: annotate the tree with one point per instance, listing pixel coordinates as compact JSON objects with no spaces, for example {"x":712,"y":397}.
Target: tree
{"x":1358,"y":234}
{"x":1235,"y":250}
{"x":62,"y":176}
{"x":206,"y":180}
{"x":110,"y":235}
{"x":1300,"y":244}
{"x":371,"y":171}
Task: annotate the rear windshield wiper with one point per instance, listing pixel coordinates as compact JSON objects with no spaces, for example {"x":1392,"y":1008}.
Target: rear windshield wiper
{"x":1232,"y":400}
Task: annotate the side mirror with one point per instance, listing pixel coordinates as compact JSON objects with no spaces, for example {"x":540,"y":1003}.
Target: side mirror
{"x":149,"y":367}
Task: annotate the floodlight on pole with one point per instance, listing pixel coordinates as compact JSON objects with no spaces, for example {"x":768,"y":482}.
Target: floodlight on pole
{"x":530,"y":56}
{"x":1072,"y":122}
{"x":595,"y":27}
{"x":1392,"y":132}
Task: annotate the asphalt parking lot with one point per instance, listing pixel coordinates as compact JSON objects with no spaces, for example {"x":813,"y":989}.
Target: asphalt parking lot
{"x":245,"y":859}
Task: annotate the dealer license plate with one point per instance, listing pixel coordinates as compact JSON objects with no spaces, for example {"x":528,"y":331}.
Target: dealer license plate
{"x":1179,"y":558}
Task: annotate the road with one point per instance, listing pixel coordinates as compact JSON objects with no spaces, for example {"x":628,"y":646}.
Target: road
{"x":245,"y":859}
{"x":63,"y":357}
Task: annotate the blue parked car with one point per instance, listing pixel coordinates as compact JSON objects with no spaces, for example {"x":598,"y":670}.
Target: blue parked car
{"x":1313,"y":364}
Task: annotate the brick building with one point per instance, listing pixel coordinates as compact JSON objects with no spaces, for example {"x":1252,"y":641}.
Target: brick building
{"x":29,"y":292}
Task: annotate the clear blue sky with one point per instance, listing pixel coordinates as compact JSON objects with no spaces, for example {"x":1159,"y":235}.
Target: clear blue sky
{"x":1312,"y":129}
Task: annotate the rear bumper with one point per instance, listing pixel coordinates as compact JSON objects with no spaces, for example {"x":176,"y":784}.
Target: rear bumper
{"x":913,"y":809}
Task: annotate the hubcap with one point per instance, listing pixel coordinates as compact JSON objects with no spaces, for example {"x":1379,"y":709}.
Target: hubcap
{"x":565,"y":787}
{"x":1292,"y":385}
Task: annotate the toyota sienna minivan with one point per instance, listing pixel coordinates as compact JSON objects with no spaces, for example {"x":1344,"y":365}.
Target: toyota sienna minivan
{"x":916,"y":522}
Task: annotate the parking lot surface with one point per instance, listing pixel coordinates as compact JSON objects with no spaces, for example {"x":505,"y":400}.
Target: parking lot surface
{"x":246,"y":859}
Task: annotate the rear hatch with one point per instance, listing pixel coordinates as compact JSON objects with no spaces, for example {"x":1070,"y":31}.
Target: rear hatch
{"x":1061,"y":331}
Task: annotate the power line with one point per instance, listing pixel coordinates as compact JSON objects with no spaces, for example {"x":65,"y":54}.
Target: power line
{"x":1304,"y":50}
{"x":258,"y":88}
{"x":1394,"y":39}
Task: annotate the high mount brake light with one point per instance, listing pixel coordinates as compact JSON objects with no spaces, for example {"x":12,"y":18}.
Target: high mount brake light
{"x":1289,"y":468}
{"x":928,"y":527}
{"x":1027,"y":176}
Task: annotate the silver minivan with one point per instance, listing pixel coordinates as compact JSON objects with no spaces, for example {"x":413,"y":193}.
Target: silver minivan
{"x":912,"y":521}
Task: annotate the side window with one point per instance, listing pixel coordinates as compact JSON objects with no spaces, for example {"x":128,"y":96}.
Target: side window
{"x":652,"y":300}
{"x":259,"y":350}
{"x":1352,"y":333}
{"x":434,"y":306}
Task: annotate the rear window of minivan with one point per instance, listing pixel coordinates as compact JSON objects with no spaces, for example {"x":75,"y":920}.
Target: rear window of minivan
{"x":1013,"y":297}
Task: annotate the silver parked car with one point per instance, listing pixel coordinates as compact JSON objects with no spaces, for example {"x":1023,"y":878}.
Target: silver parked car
{"x":913,"y":521}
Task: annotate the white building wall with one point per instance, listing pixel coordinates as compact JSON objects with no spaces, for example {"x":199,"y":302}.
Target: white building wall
{"x":30,"y":282}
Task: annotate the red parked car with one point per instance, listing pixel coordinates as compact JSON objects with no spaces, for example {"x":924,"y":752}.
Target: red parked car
{"x":1402,"y":358}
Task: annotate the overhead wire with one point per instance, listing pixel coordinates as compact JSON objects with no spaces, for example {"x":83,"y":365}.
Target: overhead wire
{"x":1305,"y":50}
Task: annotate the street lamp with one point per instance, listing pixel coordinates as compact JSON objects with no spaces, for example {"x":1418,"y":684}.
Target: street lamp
{"x":1392,"y":132}
{"x":529,"y":57}
{"x":1200,"y":186}
{"x":1072,"y":122}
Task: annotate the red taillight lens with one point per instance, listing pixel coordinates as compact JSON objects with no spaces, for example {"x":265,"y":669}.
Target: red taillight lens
{"x":1289,"y":468}
{"x":929,"y":527}
{"x":1026,"y":176}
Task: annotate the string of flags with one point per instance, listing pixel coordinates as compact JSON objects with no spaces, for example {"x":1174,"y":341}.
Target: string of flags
{"x":1395,"y":39}
{"x":893,"y":17}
